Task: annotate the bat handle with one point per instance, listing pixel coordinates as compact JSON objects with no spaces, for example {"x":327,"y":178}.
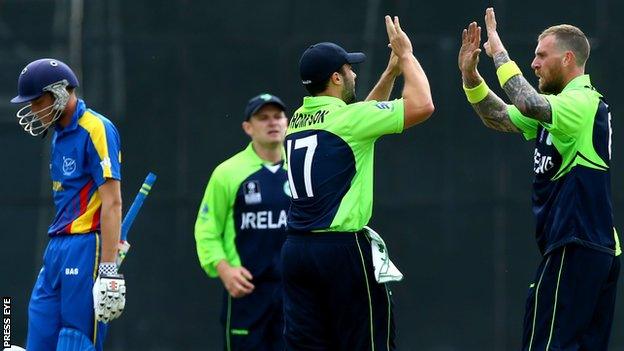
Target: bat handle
{"x":136,"y":205}
{"x":123,"y":247}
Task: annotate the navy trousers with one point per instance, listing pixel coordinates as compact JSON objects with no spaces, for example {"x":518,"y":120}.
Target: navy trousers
{"x":331,"y":298}
{"x":254,"y":322}
{"x":571,"y":303}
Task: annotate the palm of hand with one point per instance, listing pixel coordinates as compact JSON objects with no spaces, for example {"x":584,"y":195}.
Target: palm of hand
{"x":469,"y":51}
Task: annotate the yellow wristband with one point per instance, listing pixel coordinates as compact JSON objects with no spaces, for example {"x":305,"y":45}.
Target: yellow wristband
{"x":506,"y":71}
{"x":477,"y":93}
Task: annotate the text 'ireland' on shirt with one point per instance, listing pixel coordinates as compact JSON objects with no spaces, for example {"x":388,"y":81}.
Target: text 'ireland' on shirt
{"x":572,"y":185}
{"x":242,"y":216}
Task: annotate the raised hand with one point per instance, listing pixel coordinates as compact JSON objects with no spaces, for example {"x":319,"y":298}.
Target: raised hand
{"x":494,"y":44}
{"x":399,"y":41}
{"x":468,"y":57}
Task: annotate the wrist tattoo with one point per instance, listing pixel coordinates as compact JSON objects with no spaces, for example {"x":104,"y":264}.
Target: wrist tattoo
{"x":493,"y":112}
{"x":501,"y":58}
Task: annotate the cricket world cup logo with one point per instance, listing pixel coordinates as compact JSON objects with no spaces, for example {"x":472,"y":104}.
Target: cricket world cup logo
{"x":252,"y":192}
{"x":69,"y":165}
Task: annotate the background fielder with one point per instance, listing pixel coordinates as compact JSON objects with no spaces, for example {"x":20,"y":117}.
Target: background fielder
{"x":241,"y":226}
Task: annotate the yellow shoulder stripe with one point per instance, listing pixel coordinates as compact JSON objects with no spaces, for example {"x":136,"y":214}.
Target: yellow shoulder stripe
{"x":97,"y":132}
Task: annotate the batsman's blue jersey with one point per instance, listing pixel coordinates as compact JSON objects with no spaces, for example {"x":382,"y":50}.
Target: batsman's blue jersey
{"x":84,"y":155}
{"x":572,"y":187}
{"x":242,"y":216}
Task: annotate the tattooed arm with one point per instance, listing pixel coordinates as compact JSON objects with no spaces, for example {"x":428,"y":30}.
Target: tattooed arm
{"x":530,"y":103}
{"x":523,"y":95}
{"x":492,"y":110}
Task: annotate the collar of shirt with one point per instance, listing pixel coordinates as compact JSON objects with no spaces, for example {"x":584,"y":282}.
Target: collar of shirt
{"x":578,"y":82}
{"x":80,"y":109}
{"x":313,"y":101}
{"x":253,"y":157}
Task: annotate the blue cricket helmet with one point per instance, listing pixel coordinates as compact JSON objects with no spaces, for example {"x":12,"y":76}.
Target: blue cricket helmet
{"x":38,"y":75}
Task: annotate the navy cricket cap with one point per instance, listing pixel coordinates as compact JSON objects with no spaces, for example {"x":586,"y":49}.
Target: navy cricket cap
{"x":320,"y":60}
{"x":257,"y":102}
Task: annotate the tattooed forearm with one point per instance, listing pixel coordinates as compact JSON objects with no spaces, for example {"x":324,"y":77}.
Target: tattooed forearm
{"x":493,"y":113}
{"x":527,"y":100}
{"x":500,"y":58}
{"x":523,"y":95}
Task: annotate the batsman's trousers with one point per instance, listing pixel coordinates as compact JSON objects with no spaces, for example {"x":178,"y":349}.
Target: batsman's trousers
{"x":62,"y":296}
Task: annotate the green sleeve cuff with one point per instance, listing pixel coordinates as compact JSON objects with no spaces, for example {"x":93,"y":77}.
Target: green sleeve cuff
{"x":401,"y":114}
{"x":211,"y":267}
{"x":527,"y":126}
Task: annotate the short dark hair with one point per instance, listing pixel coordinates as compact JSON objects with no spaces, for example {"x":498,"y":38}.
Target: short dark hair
{"x":316,"y":88}
{"x":570,"y":38}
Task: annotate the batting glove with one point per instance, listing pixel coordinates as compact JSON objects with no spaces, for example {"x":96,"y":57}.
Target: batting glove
{"x":109,"y":293}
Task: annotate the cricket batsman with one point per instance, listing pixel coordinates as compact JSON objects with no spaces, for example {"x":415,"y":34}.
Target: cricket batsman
{"x":78,"y":290}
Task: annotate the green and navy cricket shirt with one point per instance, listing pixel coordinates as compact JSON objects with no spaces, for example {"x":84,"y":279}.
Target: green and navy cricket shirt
{"x":572,"y":185}
{"x":242,"y":216}
{"x":330,"y":152}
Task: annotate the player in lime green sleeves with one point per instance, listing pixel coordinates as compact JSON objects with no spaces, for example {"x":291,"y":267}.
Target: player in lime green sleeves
{"x":571,"y":302}
{"x":241,"y":226}
{"x":332,"y":300}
